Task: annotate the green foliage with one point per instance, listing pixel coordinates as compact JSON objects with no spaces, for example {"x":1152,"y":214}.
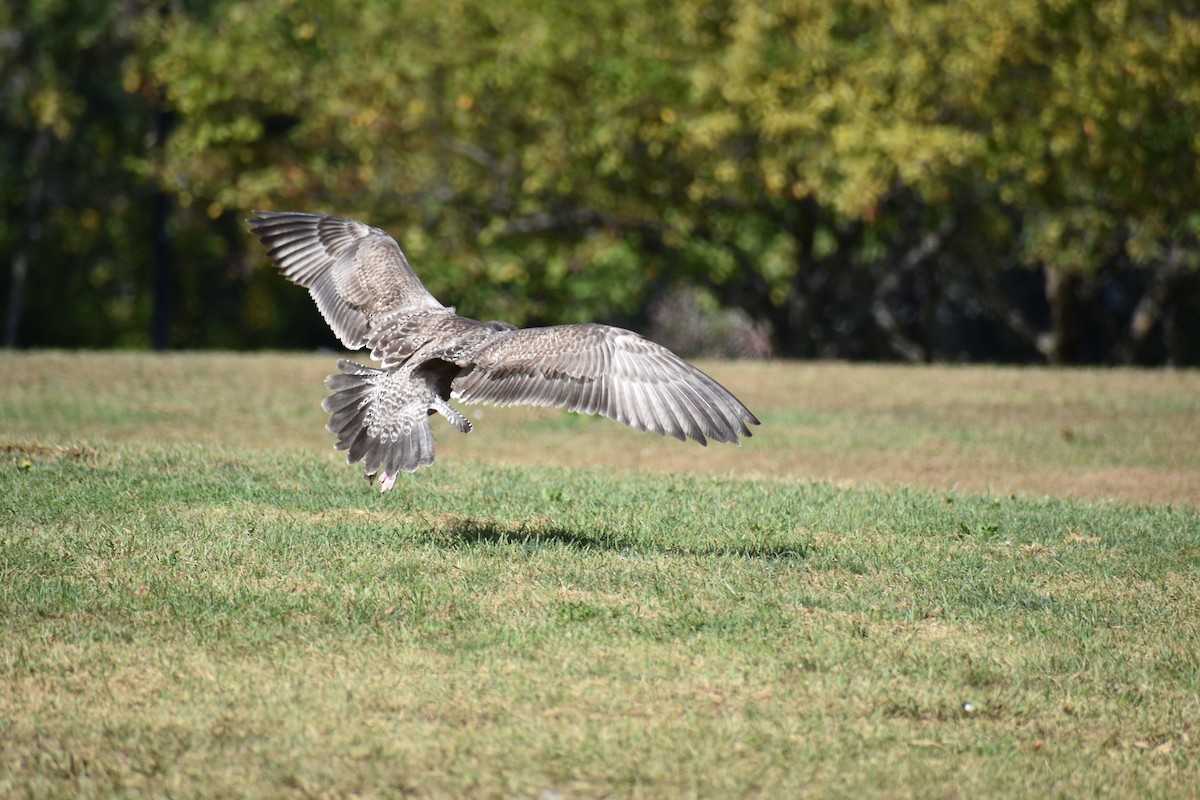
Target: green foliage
{"x":1107,"y":157}
{"x":66,"y":125}
{"x":526,"y":142}
{"x":567,"y":161}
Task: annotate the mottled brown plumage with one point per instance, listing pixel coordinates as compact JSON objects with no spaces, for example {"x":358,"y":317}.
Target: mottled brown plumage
{"x":370,"y":297}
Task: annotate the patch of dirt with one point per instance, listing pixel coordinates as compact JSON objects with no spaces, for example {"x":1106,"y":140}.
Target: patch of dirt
{"x":26,"y":453}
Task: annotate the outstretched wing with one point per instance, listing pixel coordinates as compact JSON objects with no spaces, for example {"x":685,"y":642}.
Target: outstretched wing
{"x":352,"y":271}
{"x":597,"y":369}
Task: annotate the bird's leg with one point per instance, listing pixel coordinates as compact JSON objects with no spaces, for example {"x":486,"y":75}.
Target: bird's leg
{"x":452,"y":414}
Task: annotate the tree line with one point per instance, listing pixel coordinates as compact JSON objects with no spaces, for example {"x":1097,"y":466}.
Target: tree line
{"x":876,"y":179}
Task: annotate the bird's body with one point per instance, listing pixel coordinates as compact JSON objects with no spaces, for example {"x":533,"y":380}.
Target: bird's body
{"x":371,"y":297}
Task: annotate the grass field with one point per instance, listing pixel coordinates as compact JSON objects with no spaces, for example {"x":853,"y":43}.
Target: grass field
{"x":953,"y":582}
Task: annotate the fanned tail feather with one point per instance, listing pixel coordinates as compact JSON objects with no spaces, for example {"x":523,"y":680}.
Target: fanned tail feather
{"x":380,"y":420}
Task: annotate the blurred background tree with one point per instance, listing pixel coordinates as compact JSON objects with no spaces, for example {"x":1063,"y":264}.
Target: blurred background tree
{"x":858,"y":179}
{"x":76,"y":253}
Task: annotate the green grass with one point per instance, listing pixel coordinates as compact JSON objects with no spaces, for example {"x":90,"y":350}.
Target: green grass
{"x":202,"y":601}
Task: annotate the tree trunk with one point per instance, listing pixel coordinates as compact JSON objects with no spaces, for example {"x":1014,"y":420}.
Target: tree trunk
{"x":29,"y":235}
{"x":1062,"y":344}
{"x":1154,"y":307}
{"x":898,"y":340}
{"x":900,"y":343}
{"x":16,"y":294}
{"x":160,"y":325}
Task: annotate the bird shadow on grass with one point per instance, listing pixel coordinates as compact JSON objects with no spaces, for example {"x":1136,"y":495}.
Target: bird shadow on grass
{"x":544,"y":534}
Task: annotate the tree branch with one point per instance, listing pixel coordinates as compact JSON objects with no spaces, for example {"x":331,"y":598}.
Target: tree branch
{"x":902,"y":344}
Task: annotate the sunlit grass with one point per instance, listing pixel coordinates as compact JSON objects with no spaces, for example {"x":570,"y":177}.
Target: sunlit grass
{"x":198,"y":599}
{"x":1124,"y":435}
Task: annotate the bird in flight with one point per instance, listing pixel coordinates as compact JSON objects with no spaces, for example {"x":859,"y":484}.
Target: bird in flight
{"x":428,"y":354}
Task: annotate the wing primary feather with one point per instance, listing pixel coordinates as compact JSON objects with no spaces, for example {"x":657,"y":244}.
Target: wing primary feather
{"x":704,"y":418}
{"x":651,"y":404}
{"x":671,"y":409}
{"x":717,"y":427}
{"x":630,"y":407}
